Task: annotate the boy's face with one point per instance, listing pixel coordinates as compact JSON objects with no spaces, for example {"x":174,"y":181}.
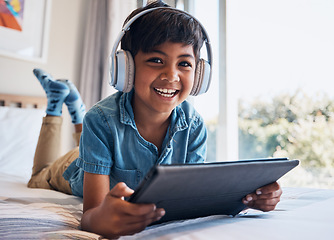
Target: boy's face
{"x":164,"y":77}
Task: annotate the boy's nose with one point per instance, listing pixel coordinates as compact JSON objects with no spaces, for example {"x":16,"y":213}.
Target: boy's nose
{"x":170,"y":76}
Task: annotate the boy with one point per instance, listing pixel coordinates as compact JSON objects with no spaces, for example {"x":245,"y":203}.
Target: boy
{"x":125,"y":134}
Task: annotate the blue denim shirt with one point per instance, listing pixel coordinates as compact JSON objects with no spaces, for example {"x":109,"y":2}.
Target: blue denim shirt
{"x":111,"y":145}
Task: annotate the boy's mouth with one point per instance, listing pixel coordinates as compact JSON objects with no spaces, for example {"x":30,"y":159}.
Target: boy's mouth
{"x":169,"y":93}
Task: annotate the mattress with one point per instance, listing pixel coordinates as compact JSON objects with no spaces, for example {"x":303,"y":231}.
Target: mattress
{"x":27,"y":213}
{"x":38,"y":213}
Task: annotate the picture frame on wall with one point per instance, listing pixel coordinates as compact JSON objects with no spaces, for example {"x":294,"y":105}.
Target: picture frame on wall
{"x":24,"y":29}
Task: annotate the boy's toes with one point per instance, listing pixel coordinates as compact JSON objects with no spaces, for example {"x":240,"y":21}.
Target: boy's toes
{"x":74,"y":93}
{"x":41,"y":74}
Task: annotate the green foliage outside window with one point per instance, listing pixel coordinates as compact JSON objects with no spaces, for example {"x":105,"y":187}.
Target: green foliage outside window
{"x":296,"y":126}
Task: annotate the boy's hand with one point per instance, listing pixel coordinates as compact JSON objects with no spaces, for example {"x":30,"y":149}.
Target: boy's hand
{"x":265,"y":198}
{"x":123,"y":218}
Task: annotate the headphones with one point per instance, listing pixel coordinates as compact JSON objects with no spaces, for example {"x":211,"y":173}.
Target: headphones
{"x":122,"y":69}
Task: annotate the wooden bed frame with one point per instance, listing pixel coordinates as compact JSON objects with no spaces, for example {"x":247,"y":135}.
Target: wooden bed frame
{"x":21,"y":101}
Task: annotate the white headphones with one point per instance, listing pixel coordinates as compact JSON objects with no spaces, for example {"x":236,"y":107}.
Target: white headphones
{"x":122,"y":69}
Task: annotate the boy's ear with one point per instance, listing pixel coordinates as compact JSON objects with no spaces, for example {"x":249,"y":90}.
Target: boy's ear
{"x":202,"y":78}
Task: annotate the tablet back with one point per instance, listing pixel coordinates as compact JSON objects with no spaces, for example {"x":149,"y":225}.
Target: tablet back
{"x":197,"y":190}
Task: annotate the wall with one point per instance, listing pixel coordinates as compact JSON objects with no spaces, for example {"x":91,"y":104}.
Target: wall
{"x":66,"y":31}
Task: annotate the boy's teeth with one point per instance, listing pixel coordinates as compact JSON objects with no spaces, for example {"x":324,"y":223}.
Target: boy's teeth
{"x":165,"y":92}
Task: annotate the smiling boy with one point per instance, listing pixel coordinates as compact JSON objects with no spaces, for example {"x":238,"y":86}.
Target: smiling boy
{"x":127,"y":133}
{"x":164,"y":79}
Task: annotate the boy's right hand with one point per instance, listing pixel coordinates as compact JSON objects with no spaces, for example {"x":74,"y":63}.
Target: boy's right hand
{"x":124,"y":218}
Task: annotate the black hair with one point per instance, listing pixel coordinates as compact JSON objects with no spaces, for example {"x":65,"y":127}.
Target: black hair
{"x":159,"y":26}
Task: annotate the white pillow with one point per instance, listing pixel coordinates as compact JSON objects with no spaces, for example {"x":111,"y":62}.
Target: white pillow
{"x":19,"y":131}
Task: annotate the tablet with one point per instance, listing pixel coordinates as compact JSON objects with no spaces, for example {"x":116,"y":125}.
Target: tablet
{"x":197,"y":190}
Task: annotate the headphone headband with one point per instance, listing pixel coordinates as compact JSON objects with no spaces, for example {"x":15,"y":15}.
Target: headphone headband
{"x":112,"y":60}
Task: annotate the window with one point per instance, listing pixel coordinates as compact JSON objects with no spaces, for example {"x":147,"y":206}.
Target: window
{"x":207,"y":12}
{"x":271,"y":93}
{"x":280,"y":61}
{"x":276,"y":97}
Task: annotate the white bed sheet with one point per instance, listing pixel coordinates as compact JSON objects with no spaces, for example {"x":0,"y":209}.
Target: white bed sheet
{"x":38,"y":213}
{"x":303,"y":213}
{"x":43,"y":214}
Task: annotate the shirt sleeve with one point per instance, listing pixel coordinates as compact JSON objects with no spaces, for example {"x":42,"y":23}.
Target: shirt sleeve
{"x":197,"y":145}
{"x":95,"y":148}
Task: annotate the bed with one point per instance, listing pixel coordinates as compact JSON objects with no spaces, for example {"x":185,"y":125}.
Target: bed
{"x":30,"y":213}
{"x":44,"y":214}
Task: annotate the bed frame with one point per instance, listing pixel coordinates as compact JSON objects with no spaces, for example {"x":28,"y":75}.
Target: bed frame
{"x":21,"y":101}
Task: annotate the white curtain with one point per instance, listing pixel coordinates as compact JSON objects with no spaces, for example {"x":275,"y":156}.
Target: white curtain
{"x":104,"y":22}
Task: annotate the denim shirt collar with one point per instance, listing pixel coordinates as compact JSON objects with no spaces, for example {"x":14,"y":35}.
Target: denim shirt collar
{"x":178,"y":118}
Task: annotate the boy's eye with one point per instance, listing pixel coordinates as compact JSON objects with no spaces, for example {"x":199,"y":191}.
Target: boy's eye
{"x":185,"y":64}
{"x":155,"y":60}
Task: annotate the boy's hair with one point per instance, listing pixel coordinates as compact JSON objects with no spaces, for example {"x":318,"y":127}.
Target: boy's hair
{"x":159,"y":26}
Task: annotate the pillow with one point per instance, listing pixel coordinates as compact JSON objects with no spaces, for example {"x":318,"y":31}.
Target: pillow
{"x":19,"y":131}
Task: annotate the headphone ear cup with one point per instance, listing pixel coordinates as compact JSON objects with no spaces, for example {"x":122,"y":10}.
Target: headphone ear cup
{"x":202,"y":78}
{"x":125,"y":71}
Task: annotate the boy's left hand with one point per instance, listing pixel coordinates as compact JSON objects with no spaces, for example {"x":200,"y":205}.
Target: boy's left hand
{"x":264,"y":198}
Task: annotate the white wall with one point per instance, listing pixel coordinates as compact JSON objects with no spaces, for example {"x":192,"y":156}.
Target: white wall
{"x":66,"y":34}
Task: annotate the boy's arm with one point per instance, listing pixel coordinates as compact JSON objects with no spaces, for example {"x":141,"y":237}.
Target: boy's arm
{"x":108,"y":214}
{"x":197,"y":144}
{"x":265,"y":198}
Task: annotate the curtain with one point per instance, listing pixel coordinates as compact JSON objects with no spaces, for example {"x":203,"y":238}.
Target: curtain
{"x":104,"y":21}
